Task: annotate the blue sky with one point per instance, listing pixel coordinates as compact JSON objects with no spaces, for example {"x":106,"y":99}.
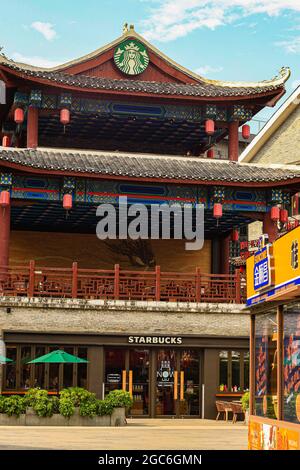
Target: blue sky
{"x":221,"y":39}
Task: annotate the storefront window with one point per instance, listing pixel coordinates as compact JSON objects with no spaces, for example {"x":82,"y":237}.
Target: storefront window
{"x":10,"y":368}
{"x":68,"y":370}
{"x":25,"y":367}
{"x":82,"y":369}
{"x":246,"y":370}
{"x":223,"y":371}
{"x":291,"y":363}
{"x":235,"y":371}
{"x":189,"y":383}
{"x":39,"y":369}
{"x":54,"y":370}
{"x":266,"y":365}
{"x":114,"y":367}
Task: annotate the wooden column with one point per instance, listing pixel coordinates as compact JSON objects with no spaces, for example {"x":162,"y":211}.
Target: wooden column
{"x":252,"y":366}
{"x":96,"y":370}
{"x":4,"y":235}
{"x":215,"y":256}
{"x":225,"y":254}
{"x":280,"y":378}
{"x":270,"y":227}
{"x":233,"y":141}
{"x":32,"y":127}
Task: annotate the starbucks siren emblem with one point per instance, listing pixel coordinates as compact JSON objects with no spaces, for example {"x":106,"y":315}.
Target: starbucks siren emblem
{"x":131,"y":57}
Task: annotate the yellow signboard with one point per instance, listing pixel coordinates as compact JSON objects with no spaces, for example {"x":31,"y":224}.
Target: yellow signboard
{"x":274,"y":270}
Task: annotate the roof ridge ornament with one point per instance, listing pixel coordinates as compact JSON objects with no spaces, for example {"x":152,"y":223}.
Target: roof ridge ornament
{"x":126,"y":29}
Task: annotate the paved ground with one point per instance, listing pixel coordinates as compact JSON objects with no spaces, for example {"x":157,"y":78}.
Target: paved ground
{"x":141,"y":434}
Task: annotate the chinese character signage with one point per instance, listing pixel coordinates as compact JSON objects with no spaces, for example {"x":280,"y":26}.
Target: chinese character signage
{"x":262,"y":268}
{"x":273,"y":272}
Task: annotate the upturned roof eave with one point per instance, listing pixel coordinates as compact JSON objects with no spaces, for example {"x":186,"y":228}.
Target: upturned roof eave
{"x":273,"y":92}
{"x":292,"y":178}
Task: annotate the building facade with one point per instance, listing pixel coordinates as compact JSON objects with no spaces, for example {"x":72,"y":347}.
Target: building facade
{"x":164,"y":323}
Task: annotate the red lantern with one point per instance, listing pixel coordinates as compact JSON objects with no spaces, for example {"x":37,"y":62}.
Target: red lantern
{"x":210,"y":153}
{"x":4,"y":199}
{"x":275,"y":213}
{"x":218,"y":210}
{"x":67,"y":202}
{"x":246,"y":131}
{"x":6,"y":141}
{"x":209,"y":127}
{"x":64,"y":116}
{"x":235,"y":235}
{"x":284,"y":216}
{"x":19,"y":115}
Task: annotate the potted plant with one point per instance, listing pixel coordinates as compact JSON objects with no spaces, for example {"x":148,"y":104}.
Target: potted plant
{"x":245,"y":405}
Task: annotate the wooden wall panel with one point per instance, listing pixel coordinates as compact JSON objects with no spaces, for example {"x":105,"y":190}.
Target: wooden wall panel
{"x":61,"y":249}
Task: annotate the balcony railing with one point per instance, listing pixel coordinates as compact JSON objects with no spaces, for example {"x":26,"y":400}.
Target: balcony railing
{"x":117,"y":284}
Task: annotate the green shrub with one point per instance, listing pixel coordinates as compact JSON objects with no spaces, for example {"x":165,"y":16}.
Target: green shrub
{"x":43,"y":407}
{"x":88,"y":408}
{"x":245,"y":401}
{"x":55,"y":404}
{"x":77,"y":395}
{"x":14,"y":405}
{"x":104,"y":408}
{"x":33,"y":395}
{"x":119,"y":399}
{"x":66,"y":407}
{"x":2,"y":401}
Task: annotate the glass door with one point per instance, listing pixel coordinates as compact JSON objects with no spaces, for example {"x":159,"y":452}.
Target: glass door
{"x":128,"y":369}
{"x":166,"y":382}
{"x":115,"y":370}
{"x":138,"y":381}
{"x":189,"y":383}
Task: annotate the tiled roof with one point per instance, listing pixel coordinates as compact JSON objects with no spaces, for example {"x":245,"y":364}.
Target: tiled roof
{"x":205,"y":89}
{"x":145,"y":166}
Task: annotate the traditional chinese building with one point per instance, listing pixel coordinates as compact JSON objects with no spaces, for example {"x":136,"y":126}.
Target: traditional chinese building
{"x":151,"y":317}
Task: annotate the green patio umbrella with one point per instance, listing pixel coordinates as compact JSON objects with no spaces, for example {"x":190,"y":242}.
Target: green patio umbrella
{"x":57,"y":357}
{"x":4,"y":360}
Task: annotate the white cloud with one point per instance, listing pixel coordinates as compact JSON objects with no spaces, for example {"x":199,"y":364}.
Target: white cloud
{"x":207,"y":69}
{"x":291,"y":45}
{"x":170,"y":19}
{"x":46,"y":29}
{"x":35,"y":60}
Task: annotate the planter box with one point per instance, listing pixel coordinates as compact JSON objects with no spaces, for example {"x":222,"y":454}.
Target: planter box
{"x":31,"y":419}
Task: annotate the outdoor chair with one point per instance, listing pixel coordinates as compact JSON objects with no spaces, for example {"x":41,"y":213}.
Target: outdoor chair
{"x":237,"y":411}
{"x":220,"y":409}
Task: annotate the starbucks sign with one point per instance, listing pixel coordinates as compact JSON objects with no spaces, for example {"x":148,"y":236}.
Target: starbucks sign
{"x":131,"y":57}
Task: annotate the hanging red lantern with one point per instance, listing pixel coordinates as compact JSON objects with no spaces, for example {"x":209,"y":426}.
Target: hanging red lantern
{"x":5,"y":141}
{"x":235,"y":235}
{"x":4,"y":199}
{"x":64,"y":116}
{"x":284,"y":216}
{"x":19,"y":115}
{"x":275,"y":213}
{"x":210,"y":153}
{"x":209,"y":127}
{"x":217,"y":210}
{"x":246,"y":131}
{"x":67,"y":202}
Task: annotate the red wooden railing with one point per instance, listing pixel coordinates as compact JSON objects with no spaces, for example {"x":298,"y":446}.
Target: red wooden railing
{"x":117,"y":284}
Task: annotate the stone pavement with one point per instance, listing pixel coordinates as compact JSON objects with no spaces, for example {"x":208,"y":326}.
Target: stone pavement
{"x":140,"y":434}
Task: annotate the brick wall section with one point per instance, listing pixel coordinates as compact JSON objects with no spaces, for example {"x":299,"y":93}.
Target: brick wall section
{"x":284,"y":145}
{"x":118,"y":317}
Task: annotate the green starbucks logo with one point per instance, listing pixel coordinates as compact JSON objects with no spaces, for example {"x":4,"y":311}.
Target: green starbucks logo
{"x":131,"y":57}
